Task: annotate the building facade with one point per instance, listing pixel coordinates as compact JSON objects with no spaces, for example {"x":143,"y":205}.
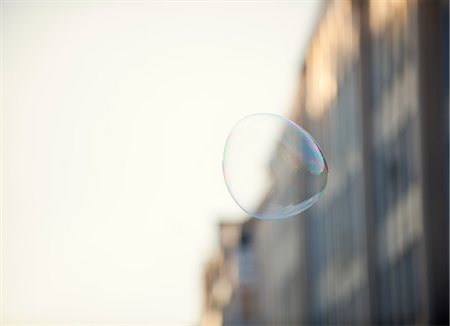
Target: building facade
{"x":374,"y":249}
{"x":376,"y":99}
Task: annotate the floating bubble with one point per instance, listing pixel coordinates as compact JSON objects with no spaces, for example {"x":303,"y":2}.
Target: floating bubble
{"x":272,"y":167}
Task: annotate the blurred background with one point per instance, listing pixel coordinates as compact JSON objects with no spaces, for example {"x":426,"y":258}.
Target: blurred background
{"x":373,"y":90}
{"x":114,"y":115}
{"x":114,"y":119}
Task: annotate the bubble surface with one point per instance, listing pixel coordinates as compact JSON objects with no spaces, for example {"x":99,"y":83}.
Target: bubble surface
{"x":272,"y":167}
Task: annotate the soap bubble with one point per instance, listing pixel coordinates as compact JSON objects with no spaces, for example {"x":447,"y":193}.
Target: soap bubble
{"x":272,"y":167}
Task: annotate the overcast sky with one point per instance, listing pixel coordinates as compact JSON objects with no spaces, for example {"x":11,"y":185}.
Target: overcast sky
{"x":114,"y":118}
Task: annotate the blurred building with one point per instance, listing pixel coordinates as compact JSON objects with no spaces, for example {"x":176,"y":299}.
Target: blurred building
{"x":405,"y":109}
{"x":373,"y":92}
{"x":375,"y":96}
{"x":229,"y":278}
{"x":220,"y":275}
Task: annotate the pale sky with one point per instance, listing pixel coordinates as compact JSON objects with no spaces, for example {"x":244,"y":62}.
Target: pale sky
{"x":114,"y":118}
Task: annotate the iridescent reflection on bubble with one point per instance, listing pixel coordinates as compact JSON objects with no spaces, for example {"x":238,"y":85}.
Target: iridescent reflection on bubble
{"x":272,"y":167}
